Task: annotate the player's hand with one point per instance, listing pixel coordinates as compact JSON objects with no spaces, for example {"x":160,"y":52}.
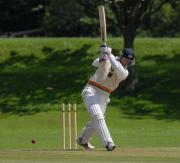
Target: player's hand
{"x":103,"y":56}
{"x":105,"y":49}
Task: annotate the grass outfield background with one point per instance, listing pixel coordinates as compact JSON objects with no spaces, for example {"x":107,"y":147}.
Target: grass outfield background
{"x":29,"y":68}
{"x":37,"y":74}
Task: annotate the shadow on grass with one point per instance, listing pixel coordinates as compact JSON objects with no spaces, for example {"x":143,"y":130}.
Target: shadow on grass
{"x":30,"y":84}
{"x":158,"y":92}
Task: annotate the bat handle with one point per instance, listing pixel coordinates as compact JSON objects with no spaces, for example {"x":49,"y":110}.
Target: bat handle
{"x":103,"y":44}
{"x":101,"y":2}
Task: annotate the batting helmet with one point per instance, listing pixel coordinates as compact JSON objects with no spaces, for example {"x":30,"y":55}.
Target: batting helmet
{"x":128,"y":53}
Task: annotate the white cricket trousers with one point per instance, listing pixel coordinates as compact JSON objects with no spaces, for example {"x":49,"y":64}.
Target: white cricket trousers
{"x":96,"y":103}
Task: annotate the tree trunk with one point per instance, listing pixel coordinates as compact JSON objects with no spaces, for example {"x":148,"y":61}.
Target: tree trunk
{"x":128,"y":39}
{"x":132,"y":79}
{"x":131,"y":82}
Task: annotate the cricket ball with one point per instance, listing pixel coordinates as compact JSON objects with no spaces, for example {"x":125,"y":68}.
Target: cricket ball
{"x":33,"y":141}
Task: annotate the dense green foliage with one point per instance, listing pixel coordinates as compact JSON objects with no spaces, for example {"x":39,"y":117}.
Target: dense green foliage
{"x":63,"y":18}
{"x":80,"y":18}
{"x":37,"y":74}
{"x":20,"y":15}
{"x":165,"y":22}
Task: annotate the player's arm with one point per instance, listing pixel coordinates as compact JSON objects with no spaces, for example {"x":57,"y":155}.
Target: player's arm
{"x":99,"y":61}
{"x":117,"y":66}
{"x":96,"y":62}
{"x":102,"y":57}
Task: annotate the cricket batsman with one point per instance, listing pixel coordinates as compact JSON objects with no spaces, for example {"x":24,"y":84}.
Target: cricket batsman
{"x":110,"y":72}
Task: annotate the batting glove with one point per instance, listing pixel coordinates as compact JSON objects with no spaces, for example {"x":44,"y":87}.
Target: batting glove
{"x":103,"y":56}
{"x":105,"y":49}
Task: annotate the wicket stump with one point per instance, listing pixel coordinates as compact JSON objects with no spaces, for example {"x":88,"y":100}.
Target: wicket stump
{"x":69,"y":127}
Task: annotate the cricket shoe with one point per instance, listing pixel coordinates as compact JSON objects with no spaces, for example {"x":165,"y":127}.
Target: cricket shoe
{"x":110,"y":146}
{"x":86,"y":145}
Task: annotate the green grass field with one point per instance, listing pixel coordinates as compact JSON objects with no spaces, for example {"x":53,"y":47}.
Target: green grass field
{"x":145,"y":124}
{"x":138,"y":140}
{"x":125,"y":155}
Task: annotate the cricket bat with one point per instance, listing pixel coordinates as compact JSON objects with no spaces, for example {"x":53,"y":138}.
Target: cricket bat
{"x":102,"y":19}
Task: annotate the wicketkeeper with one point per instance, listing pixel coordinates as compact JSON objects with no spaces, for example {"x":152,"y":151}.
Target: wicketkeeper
{"x":110,"y":72}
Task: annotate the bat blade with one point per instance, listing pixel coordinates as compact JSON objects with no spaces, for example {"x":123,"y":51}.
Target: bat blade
{"x":102,"y":19}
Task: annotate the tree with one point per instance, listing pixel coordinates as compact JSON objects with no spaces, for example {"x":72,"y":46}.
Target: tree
{"x":91,"y":18}
{"x":63,"y":17}
{"x":165,"y":22}
{"x":74,"y":18}
{"x":20,"y":15}
{"x":131,"y":13}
